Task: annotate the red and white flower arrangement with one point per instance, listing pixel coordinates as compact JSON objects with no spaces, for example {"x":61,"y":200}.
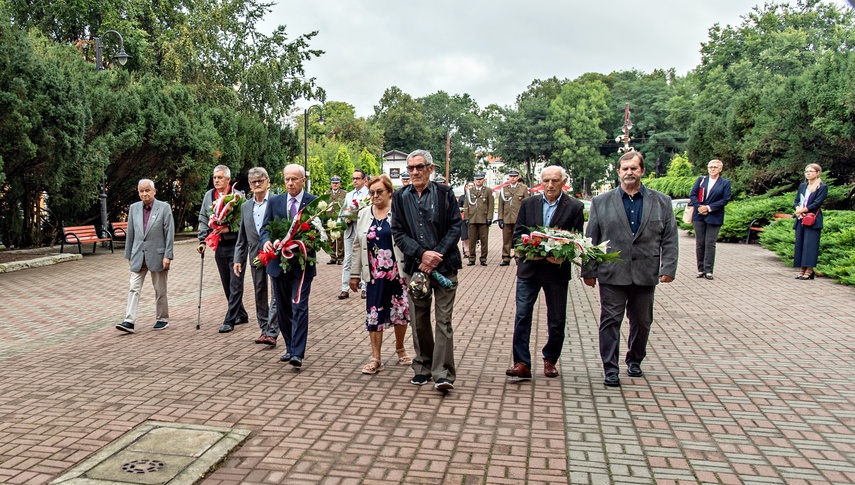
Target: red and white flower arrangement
{"x":225,"y":212}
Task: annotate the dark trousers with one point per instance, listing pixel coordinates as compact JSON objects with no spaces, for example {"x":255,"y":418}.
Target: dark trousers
{"x":293,"y":317}
{"x":268,"y":320}
{"x":478,"y":232}
{"x":637,"y":303}
{"x":705,"y":237}
{"x":232,"y":285}
{"x":555,"y":294}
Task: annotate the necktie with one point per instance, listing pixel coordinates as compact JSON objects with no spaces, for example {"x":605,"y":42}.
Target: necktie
{"x":293,"y":207}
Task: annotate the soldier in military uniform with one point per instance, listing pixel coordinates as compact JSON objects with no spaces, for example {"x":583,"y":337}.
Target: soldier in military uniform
{"x":337,"y":196}
{"x":405,"y":179}
{"x":510,"y":198}
{"x":478,"y":207}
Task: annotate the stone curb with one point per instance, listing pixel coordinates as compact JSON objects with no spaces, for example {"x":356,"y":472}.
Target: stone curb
{"x":39,"y":262}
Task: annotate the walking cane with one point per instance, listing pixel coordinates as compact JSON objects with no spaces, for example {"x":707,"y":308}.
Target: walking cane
{"x":201,"y":274}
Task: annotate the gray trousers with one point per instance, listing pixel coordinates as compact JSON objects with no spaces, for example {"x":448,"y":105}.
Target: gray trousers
{"x":268,"y":320}
{"x":705,"y":236}
{"x":158,"y":281}
{"x":637,"y":303}
{"x":434,"y":350}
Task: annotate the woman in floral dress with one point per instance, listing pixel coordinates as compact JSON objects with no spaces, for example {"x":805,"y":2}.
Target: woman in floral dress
{"x":375,"y":260}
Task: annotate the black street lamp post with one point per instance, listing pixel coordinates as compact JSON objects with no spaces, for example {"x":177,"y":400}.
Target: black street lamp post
{"x":122,"y":57}
{"x":306,"y":140}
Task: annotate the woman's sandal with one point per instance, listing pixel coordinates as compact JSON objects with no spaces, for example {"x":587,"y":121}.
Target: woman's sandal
{"x":403,"y":359}
{"x":373,"y":366}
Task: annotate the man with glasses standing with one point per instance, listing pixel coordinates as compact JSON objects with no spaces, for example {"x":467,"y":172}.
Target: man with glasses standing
{"x":248,"y":243}
{"x":359,"y":193}
{"x":337,"y":198}
{"x":225,"y":253}
{"x":426,"y":228}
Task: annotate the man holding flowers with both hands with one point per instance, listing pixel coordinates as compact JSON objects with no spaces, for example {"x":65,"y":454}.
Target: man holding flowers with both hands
{"x":553,"y":209}
{"x":291,"y":288}
{"x":222,"y":239}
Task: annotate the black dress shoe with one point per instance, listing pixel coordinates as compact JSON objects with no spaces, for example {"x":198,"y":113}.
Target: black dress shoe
{"x":505,"y":263}
{"x":634,"y":370}
{"x":226,"y":328}
{"x":332,"y":261}
{"x":296,"y":361}
{"x":242,"y":321}
{"x":612,"y":380}
{"x":701,"y":275}
{"x":470,"y":263}
{"x":286,"y":357}
{"x":483,"y":263}
{"x":708,"y":276}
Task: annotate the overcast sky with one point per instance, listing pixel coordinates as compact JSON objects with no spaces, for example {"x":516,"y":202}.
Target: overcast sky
{"x":493,"y":49}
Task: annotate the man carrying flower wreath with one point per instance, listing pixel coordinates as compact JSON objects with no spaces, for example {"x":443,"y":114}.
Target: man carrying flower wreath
{"x":639,"y":222}
{"x":290,"y":288}
{"x":222,"y":240}
{"x":553,"y":209}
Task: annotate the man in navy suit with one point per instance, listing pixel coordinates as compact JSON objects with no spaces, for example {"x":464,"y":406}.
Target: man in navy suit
{"x":552,"y":209}
{"x":291,"y":289}
{"x":709,"y":196}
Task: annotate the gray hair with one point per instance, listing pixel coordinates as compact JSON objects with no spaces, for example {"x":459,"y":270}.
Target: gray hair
{"x":226,"y":171}
{"x":256,"y":172}
{"x":564,"y":175}
{"x":293,"y":166}
{"x":421,"y":153}
{"x":146,"y":181}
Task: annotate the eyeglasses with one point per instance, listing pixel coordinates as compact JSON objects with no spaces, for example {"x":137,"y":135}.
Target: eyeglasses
{"x":374,"y":193}
{"x":257,"y":182}
{"x":417,"y":168}
{"x":357,"y":178}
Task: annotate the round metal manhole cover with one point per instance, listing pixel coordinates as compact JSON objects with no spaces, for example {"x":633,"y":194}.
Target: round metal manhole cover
{"x":142,"y":466}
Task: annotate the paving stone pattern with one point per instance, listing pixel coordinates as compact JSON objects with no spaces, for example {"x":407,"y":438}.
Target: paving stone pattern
{"x":747,"y":380}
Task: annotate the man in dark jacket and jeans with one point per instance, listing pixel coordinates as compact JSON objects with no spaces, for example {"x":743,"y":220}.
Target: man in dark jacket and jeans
{"x":426,"y":228}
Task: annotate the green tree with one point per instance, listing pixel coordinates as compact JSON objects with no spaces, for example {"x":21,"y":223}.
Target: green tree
{"x":368,"y":163}
{"x":402,"y":120}
{"x":578,"y":112}
{"x":319,"y":181}
{"x":343,"y":166}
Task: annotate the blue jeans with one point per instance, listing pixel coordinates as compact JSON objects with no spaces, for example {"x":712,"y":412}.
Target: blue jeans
{"x":555,"y":294}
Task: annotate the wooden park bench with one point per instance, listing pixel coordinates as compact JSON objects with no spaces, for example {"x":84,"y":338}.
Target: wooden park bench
{"x":757,"y":225}
{"x":120,"y":231}
{"x":81,"y":235}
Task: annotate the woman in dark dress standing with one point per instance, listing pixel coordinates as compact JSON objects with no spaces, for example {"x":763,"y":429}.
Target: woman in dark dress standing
{"x":809,"y":199}
{"x":375,"y":260}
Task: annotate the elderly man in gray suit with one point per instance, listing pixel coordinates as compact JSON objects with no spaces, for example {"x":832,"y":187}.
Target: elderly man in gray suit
{"x":252,"y":213}
{"x":639,"y":222}
{"x":148,"y":248}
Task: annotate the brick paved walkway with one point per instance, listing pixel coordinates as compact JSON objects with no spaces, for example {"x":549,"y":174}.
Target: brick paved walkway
{"x":747,"y":381}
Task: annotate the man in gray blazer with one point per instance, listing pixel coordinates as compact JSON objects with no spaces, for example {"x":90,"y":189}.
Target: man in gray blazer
{"x":639,"y":222}
{"x":148,"y":248}
{"x":252,"y":213}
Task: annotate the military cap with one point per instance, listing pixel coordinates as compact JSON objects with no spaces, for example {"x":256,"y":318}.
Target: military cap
{"x":479,"y":176}
{"x":335,"y":180}
{"x":514,"y":173}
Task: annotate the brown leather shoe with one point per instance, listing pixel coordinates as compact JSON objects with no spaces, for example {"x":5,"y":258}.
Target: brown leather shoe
{"x":343,"y":295}
{"x":519,"y":371}
{"x":549,"y":369}
{"x":269,"y":341}
{"x":262,"y":339}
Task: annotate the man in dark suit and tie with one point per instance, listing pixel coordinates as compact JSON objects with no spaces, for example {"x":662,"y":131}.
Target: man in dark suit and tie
{"x":551,"y":209}
{"x":252,"y":215}
{"x":148,"y":248}
{"x":639,"y":222}
{"x":291,"y":289}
